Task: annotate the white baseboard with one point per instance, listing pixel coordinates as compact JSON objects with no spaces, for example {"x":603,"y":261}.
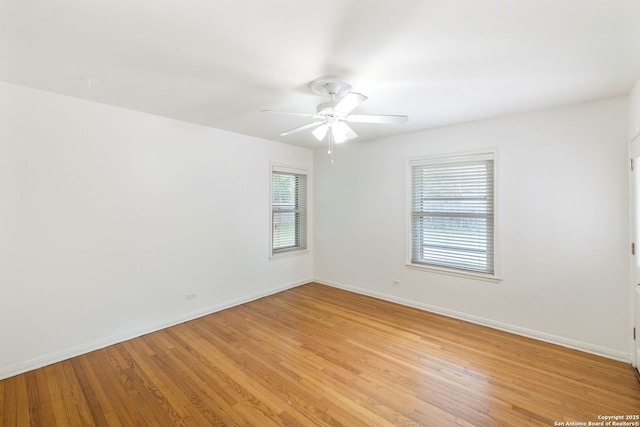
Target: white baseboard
{"x":529,"y":333}
{"x":38,"y":362}
{"x":48,"y":359}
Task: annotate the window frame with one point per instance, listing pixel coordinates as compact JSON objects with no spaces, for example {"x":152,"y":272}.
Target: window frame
{"x":468,"y":156}
{"x":301,"y":234}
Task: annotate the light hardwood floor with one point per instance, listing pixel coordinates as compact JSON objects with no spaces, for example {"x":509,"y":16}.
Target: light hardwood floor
{"x":315,"y":355}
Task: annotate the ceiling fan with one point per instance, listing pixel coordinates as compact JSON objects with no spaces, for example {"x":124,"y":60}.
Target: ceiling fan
{"x":333,"y":116}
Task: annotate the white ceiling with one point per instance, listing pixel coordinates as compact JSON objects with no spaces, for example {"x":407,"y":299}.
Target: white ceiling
{"x":219,"y":62}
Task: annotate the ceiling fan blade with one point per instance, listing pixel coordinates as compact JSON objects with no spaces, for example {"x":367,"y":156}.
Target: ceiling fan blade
{"x":288,"y":113}
{"x":349,"y":102}
{"x":320,"y":132}
{"x":301,"y":128}
{"x":342,"y":132}
{"x":370,"y":118}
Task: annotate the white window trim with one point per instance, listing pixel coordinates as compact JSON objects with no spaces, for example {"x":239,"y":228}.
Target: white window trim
{"x":279,"y":167}
{"x":447,"y":158}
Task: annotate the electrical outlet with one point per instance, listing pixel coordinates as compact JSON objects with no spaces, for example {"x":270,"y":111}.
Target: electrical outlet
{"x":395,"y":283}
{"x":191,"y":295}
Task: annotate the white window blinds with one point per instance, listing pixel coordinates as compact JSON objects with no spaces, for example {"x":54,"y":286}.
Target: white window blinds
{"x":452,"y":213}
{"x":288,"y":211}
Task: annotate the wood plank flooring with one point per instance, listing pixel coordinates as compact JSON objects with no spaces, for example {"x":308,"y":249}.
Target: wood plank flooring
{"x":315,"y":356}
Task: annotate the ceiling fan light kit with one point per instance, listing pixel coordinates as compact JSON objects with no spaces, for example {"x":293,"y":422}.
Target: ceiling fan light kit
{"x":333,"y":115}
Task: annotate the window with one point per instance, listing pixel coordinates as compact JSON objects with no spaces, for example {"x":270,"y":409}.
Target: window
{"x":288,"y":210}
{"x":452,"y":208}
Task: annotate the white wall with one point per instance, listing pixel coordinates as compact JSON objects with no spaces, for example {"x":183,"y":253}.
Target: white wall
{"x":109,"y":217}
{"x":633,"y":129}
{"x":634,"y":110}
{"x":563,"y":216}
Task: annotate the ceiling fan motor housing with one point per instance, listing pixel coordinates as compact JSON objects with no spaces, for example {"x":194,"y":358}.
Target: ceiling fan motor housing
{"x":326,"y":109}
{"x":331,"y":85}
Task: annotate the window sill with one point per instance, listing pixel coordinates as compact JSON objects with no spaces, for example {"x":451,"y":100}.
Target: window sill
{"x":457,"y":273}
{"x":289,"y":254}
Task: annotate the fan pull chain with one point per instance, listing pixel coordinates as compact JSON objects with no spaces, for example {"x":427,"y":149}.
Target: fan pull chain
{"x":331,"y":133}
{"x":330,"y":151}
